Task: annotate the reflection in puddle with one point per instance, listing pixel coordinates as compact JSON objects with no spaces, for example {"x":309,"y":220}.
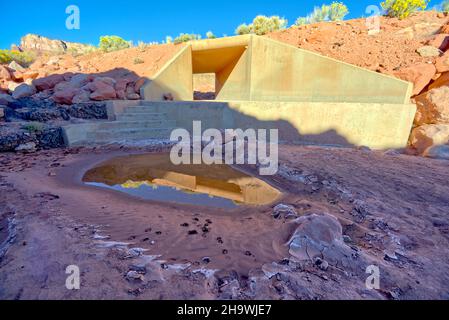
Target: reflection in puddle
{"x":154,"y":177}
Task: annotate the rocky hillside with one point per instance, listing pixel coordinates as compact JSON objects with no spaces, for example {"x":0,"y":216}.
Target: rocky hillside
{"x":32,"y":42}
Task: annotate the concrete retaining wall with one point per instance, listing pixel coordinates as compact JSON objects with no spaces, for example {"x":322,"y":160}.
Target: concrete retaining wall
{"x":378,"y":126}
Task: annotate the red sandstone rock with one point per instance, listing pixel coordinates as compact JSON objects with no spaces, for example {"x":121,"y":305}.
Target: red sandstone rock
{"x":48,"y":82}
{"x":420,"y":75}
{"x":433,"y":106}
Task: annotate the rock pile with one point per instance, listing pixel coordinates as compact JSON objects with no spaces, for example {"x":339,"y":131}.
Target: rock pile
{"x":430,"y":136}
{"x":67,"y":88}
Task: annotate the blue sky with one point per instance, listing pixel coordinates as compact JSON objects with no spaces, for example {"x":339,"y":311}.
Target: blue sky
{"x":147,"y":20}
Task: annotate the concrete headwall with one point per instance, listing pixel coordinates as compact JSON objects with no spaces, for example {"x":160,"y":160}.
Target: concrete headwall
{"x":280,"y":72}
{"x":257,"y":68}
{"x":378,"y":126}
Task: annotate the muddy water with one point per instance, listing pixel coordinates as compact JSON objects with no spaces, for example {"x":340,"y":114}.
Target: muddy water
{"x":154,"y":177}
{"x":229,"y":226}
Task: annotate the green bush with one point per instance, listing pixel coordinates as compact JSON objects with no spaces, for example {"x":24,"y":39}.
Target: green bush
{"x":301,"y":21}
{"x":138,"y":61}
{"x":403,"y":8}
{"x":34,"y":127}
{"x":262,"y":25}
{"x":210,"y":35}
{"x":23,"y":58}
{"x":445,"y":6}
{"x":336,"y":11}
{"x":113,"y":43}
{"x":243,"y":29}
{"x":185,"y":37}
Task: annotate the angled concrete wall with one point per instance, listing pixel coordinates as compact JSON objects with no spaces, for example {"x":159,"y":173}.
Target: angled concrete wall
{"x":175,"y":78}
{"x":280,"y":72}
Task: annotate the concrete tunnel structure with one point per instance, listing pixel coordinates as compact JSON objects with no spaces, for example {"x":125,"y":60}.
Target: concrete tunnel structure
{"x":263,"y":83}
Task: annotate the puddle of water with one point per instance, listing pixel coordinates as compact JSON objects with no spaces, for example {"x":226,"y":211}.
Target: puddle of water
{"x":154,"y":177}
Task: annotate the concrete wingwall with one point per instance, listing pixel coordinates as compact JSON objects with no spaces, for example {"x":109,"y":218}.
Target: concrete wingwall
{"x":378,"y":126}
{"x":281,"y":72}
{"x":174,"y":78}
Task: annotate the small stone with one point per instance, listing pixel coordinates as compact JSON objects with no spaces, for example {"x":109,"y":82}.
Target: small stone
{"x":26,"y":147}
{"x":429,"y":51}
{"x":134,"y":275}
{"x":321,"y":264}
{"x":141,"y":269}
{"x":206,"y":260}
{"x":282,"y":211}
{"x":192,"y":232}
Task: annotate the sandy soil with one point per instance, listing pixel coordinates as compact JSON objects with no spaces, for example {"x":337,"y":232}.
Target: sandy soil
{"x":393,"y":209}
{"x":393,"y":48}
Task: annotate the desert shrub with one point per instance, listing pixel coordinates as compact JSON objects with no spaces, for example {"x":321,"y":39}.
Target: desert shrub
{"x":301,"y":21}
{"x":113,"y":43}
{"x":445,"y":6}
{"x":336,"y":11}
{"x":141,"y":45}
{"x":210,"y":35}
{"x":138,"y":61}
{"x":22,"y":58}
{"x":262,"y":25}
{"x":168,"y":39}
{"x":403,"y":8}
{"x":34,"y":127}
{"x":185,"y":37}
{"x":243,"y":29}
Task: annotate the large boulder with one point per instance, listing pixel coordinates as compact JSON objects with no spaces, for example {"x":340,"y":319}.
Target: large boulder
{"x":16,"y":67}
{"x":6,"y":99}
{"x":139,"y":84}
{"x":440,"y":41}
{"x":429,"y":51}
{"x":12,"y":86}
{"x":48,"y":82}
{"x":30,"y":75}
{"x":65,"y":96}
{"x":433,"y":106}
{"x":442,"y":80}
{"x":314,"y":235}
{"x":103,"y":89}
{"x":81,"y":96}
{"x":420,"y":75}
{"x":438,"y":152}
{"x":4,"y":73}
{"x":442,"y":63}
{"x":429,"y":135}
{"x":80,"y":80}
{"x":24,"y":90}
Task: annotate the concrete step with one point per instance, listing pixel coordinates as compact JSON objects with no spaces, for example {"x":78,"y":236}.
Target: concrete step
{"x":141,"y":109}
{"x":129,"y":134}
{"x":136,"y":116}
{"x":113,"y":125}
